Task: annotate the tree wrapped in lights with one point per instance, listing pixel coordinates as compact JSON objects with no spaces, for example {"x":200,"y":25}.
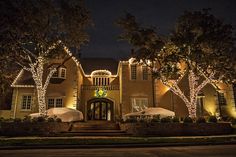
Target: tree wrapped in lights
{"x":34,"y":31}
{"x":201,"y":49}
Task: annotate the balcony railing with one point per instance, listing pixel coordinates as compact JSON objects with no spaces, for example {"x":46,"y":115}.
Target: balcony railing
{"x":92,"y":87}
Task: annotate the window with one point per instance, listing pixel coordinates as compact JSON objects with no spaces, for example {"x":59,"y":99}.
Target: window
{"x":63,"y":72}
{"x":221,"y":99}
{"x":145,"y":72}
{"x":139,"y":104}
{"x":101,"y":81}
{"x":55,"y":102}
{"x":133,"y":72}
{"x":55,"y":74}
{"x":26,"y":102}
{"x":200,"y":104}
{"x":60,"y":73}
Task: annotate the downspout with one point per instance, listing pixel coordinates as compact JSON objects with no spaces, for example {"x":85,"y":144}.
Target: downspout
{"x":15,"y":107}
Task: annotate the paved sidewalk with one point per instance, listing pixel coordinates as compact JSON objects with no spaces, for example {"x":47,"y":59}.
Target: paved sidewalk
{"x":103,"y":141}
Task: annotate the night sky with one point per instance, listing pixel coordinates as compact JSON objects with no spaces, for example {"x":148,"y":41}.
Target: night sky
{"x":159,"y":13}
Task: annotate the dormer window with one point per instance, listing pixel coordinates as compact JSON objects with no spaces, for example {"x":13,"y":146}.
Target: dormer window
{"x":60,"y":73}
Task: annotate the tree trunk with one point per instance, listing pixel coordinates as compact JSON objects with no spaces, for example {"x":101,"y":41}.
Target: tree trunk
{"x":41,"y":101}
{"x":194,"y":88}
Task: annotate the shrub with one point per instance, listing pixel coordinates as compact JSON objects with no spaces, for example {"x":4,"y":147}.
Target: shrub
{"x":188,"y":120}
{"x":166,"y":120}
{"x":131,"y":119}
{"x":201,"y":120}
{"x":233,"y":121}
{"x":26,"y":119}
{"x":50,"y":119}
{"x":175,"y":119}
{"x":212,"y":119}
{"x":58,"y":120}
{"x":38,"y":119}
{"x":156,"y":118}
{"x":2,"y":119}
{"x":17,"y":120}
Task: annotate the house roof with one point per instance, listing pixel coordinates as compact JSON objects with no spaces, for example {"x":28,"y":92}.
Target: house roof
{"x":91,"y":64}
{"x":24,"y":79}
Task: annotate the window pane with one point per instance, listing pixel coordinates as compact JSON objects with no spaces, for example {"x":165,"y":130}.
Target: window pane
{"x":145,"y":73}
{"x":55,"y":74}
{"x":63,"y":73}
{"x":221,"y":99}
{"x":50,"y":103}
{"x":133,"y":72}
{"x":58,"y":102}
{"x":26,"y":102}
{"x":139,"y":104}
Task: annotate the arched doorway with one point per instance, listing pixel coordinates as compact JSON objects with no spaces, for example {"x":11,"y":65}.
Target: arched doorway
{"x":100,"y":109}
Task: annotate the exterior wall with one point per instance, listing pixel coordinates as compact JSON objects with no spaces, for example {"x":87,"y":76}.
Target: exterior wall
{"x":134,"y":88}
{"x":168,"y":100}
{"x":67,"y":90}
{"x":18,"y":93}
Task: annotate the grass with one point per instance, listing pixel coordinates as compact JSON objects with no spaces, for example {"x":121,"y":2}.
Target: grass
{"x":53,"y":141}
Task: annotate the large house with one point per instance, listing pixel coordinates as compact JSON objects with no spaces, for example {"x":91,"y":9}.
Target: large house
{"x":106,"y":89}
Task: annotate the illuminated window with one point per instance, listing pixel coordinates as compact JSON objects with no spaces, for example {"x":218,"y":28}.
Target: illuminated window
{"x":139,"y":104}
{"x":60,"y":73}
{"x":133,"y":71}
{"x":26,"y":102}
{"x":145,"y":72}
{"x":101,"y":77}
{"x":55,"y":102}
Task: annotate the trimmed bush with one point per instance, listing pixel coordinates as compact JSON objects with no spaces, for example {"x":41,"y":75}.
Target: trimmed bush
{"x":58,"y":120}
{"x":166,"y":120}
{"x":26,"y":119}
{"x":131,"y":119}
{"x":50,"y":119}
{"x":2,"y":119}
{"x":212,"y":119}
{"x":233,"y":121}
{"x":201,"y":120}
{"x":17,"y":120}
{"x":188,"y":120}
{"x":156,"y":118}
{"x":175,"y":119}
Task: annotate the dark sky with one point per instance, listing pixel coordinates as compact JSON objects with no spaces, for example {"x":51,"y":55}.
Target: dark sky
{"x":159,"y":13}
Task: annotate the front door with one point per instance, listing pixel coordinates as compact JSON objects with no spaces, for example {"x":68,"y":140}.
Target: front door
{"x":100,"y":109}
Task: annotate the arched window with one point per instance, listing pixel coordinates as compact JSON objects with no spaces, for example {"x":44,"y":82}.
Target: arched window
{"x":101,"y":77}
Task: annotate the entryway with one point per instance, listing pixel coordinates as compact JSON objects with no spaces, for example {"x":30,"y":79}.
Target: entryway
{"x":100,"y":109}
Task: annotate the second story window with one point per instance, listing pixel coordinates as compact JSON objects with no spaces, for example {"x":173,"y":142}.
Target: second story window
{"x":133,"y":72}
{"x":145,"y":72}
{"x":60,"y":73}
{"x":101,"y":77}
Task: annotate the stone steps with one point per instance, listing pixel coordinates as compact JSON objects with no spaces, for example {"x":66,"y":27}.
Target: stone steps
{"x":95,"y":128}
